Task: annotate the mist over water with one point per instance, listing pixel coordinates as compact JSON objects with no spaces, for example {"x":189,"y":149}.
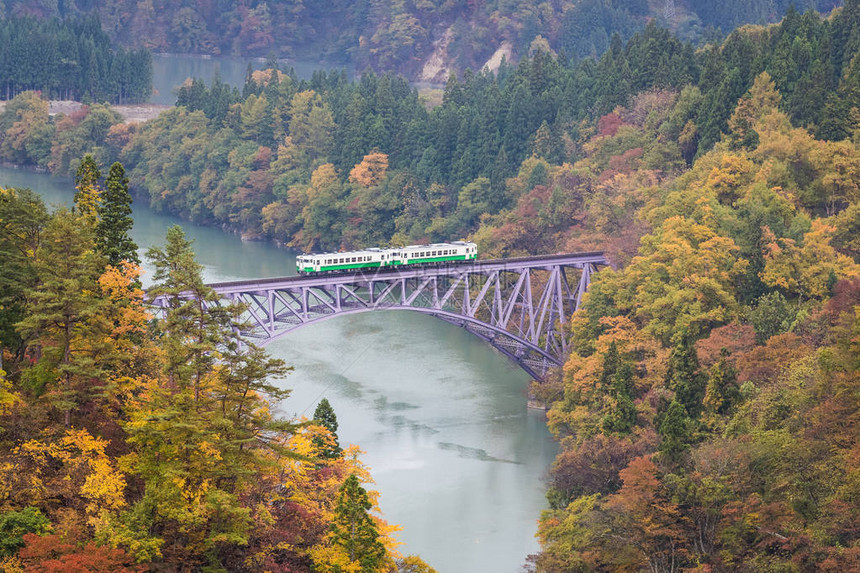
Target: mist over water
{"x":441,"y":416}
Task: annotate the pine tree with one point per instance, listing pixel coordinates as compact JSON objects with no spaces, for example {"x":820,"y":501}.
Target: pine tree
{"x":353,"y":528}
{"x":722,"y":390}
{"x":611,"y":360}
{"x":674,"y":433}
{"x":88,"y":194}
{"x":684,"y":378}
{"x":194,"y":324}
{"x":620,"y":415}
{"x":204,"y":428}
{"x":115,"y":222}
{"x":64,"y":319}
{"x":22,"y":219}
{"x":324,"y":416}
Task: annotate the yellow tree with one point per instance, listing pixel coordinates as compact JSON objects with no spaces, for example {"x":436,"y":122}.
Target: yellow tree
{"x":808,"y":270}
{"x":371,"y":171}
{"x":72,"y":469}
{"x":682,"y":280}
{"x":88,"y":191}
{"x":761,"y":100}
{"x":839,"y":163}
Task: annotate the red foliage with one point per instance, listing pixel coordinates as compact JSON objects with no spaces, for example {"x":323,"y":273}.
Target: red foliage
{"x":846,"y":295}
{"x":734,"y":337}
{"x":262,"y":158}
{"x":78,"y":116}
{"x":594,"y":465}
{"x":624,"y":163}
{"x":763,"y":363}
{"x":608,"y":124}
{"x":56,"y":554}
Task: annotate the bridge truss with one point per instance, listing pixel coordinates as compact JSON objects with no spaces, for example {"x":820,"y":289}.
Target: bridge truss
{"x":519,"y":306}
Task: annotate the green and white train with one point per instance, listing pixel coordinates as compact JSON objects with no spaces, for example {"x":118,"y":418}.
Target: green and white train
{"x":375,"y":258}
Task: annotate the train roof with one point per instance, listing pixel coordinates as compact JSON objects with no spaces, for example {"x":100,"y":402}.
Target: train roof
{"x":373,"y":250}
{"x":343,"y":253}
{"x":455,"y":243}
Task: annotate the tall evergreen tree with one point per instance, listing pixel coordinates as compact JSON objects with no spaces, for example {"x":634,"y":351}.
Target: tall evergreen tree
{"x":115,"y":221}
{"x":722,"y":391}
{"x":88,"y":193}
{"x":22,"y":220}
{"x":205,"y":426}
{"x":64,"y":319}
{"x":324,"y":416}
{"x":674,"y":433}
{"x":684,"y":378}
{"x":620,"y":416}
{"x":354,"y":530}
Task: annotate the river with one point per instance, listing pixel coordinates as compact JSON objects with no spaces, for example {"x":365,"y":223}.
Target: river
{"x":171,"y":70}
{"x":442,"y":417}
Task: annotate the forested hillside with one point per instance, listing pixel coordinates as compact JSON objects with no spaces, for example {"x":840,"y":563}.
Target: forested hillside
{"x":391,"y":35}
{"x":708,"y":414}
{"x":328,"y":163}
{"x":70,"y":59}
{"x":133,"y":442}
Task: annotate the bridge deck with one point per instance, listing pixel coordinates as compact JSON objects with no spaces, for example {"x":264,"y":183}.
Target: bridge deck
{"x":480,"y":266}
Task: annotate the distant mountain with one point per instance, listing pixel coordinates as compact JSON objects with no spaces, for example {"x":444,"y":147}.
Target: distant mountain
{"x":424,"y":39}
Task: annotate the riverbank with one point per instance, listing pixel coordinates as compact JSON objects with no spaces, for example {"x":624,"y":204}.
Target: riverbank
{"x":131,"y":113}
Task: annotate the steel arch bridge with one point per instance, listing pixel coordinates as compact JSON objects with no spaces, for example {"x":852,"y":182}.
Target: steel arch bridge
{"x":520,"y":306}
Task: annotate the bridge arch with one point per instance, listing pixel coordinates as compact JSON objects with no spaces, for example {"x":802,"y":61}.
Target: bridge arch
{"x":519,"y":306}
{"x":531,"y":358}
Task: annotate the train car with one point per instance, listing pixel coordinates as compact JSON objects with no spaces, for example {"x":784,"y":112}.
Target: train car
{"x":374,"y":258}
{"x":438,"y":253}
{"x":351,"y":260}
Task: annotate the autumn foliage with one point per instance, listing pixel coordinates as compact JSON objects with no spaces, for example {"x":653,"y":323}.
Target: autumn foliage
{"x":134,"y":441}
{"x":733,"y":332}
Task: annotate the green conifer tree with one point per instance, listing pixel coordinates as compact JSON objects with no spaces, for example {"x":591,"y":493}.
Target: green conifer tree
{"x":684,"y":378}
{"x":63,"y":318}
{"x":115,"y":221}
{"x":204,"y":428}
{"x":88,"y":193}
{"x":620,"y":413}
{"x":675,"y":434}
{"x":324,"y":416}
{"x":354,"y":529}
{"x":722,"y":391}
{"x":22,"y":218}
